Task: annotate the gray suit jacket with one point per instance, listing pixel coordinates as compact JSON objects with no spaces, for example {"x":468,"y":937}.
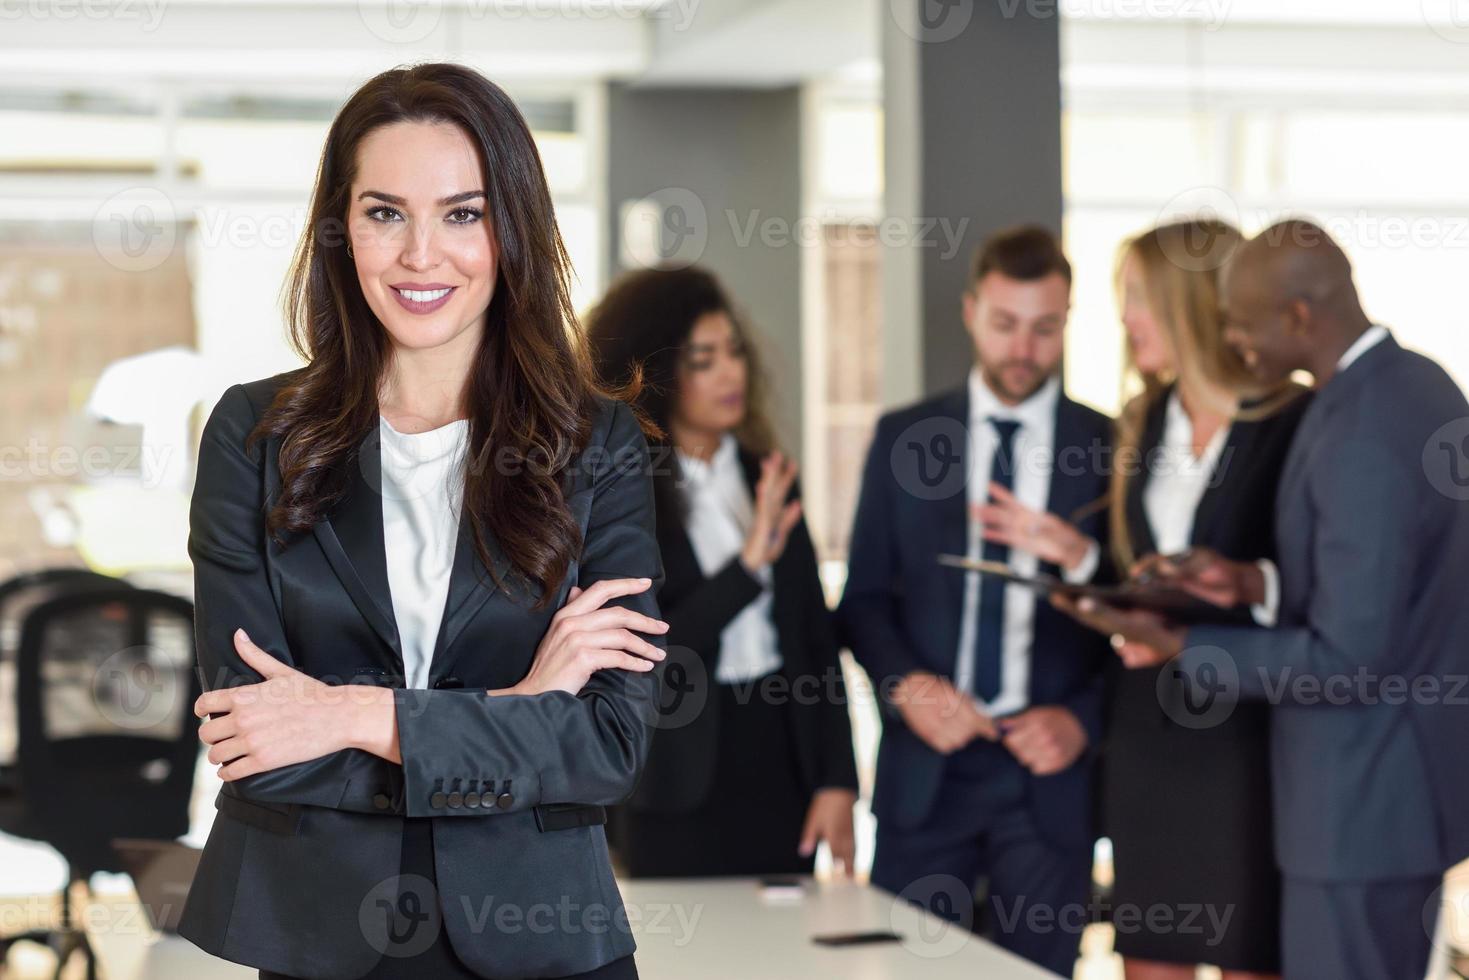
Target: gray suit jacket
{"x":515,"y":785}
{"x":1367,"y":669}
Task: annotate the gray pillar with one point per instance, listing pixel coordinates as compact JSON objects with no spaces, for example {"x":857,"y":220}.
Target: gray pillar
{"x":712,"y":176}
{"x":972,"y":93}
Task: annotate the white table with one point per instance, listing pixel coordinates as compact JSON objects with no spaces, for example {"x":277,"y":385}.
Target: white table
{"x":715,"y":929}
{"x":710,"y":929}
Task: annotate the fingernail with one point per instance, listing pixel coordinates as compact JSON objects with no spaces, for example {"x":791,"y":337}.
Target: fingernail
{"x":240,"y":634}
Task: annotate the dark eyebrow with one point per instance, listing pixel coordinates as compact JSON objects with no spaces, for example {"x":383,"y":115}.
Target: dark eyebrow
{"x":443,"y":201}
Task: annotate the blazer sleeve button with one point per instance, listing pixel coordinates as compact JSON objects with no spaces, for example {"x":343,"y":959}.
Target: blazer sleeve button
{"x":456,"y":800}
{"x":437,"y":800}
{"x":471,"y":799}
{"x":504,"y":801}
{"x":381,"y":801}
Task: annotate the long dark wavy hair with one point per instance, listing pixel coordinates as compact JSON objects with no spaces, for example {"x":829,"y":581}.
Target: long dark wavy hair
{"x":532,"y":390}
{"x":639,"y":332}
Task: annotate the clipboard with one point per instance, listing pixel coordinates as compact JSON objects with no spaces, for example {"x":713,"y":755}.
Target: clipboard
{"x":1167,"y":600}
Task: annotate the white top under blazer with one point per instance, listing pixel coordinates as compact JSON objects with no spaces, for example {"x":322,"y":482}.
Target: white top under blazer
{"x":423,"y":492}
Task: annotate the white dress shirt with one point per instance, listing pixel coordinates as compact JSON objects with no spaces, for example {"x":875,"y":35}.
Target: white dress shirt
{"x":1177,"y":479}
{"x":720,"y":511}
{"x":1034,"y":454}
{"x":1370,"y":338}
{"x":423,"y":492}
{"x":1177,"y":482}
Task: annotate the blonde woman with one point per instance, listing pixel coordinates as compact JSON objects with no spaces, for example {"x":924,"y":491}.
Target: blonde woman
{"x":1185,"y":787}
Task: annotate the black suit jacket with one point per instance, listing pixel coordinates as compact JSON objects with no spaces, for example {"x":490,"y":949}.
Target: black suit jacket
{"x":680,"y":766}
{"x":901,"y":610}
{"x":1235,"y":517}
{"x":514,"y":784}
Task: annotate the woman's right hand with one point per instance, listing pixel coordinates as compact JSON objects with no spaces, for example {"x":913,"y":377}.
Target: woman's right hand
{"x":585,"y":638}
{"x":774,"y":518}
{"x":1009,"y":522}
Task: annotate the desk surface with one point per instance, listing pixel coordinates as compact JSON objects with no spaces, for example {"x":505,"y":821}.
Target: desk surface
{"x":723,"y":928}
{"x":707,"y":928}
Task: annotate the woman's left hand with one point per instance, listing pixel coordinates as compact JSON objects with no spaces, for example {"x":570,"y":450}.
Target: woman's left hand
{"x":287,"y":718}
{"x":830,"y":819}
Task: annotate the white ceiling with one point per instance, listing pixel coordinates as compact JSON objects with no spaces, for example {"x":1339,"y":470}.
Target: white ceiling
{"x":330,"y":45}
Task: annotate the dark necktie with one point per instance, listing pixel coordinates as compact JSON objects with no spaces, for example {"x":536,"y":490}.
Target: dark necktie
{"x":988,"y":645}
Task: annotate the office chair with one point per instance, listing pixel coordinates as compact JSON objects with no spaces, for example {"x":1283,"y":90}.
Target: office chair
{"x":108,"y":740}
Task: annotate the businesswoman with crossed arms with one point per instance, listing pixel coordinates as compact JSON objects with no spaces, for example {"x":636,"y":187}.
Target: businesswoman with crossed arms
{"x":425,"y":571}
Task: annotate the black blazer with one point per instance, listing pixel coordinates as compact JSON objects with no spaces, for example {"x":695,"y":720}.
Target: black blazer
{"x":514,"y":785}
{"x":901,"y":610}
{"x":1235,"y":517}
{"x":680,"y":769}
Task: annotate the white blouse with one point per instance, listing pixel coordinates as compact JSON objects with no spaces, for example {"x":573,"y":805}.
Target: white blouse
{"x":423,"y":492}
{"x":720,"y":511}
{"x":1177,"y":479}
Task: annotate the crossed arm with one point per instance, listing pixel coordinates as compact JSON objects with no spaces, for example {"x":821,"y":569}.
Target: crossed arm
{"x":573,"y":731}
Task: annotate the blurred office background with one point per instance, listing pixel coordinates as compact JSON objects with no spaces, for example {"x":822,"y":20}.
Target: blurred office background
{"x":834,"y":161}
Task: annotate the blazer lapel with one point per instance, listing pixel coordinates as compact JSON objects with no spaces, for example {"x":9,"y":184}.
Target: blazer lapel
{"x":352,"y":539}
{"x":470,"y":587}
{"x":953,"y":510}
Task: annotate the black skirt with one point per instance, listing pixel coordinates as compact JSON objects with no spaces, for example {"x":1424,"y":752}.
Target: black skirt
{"x":1188,"y":814}
{"x":439,"y":960}
{"x":750,"y":824}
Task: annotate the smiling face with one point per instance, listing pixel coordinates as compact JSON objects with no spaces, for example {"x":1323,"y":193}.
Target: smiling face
{"x":712,"y":376}
{"x":424,"y":249}
{"x":1018,"y":327}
